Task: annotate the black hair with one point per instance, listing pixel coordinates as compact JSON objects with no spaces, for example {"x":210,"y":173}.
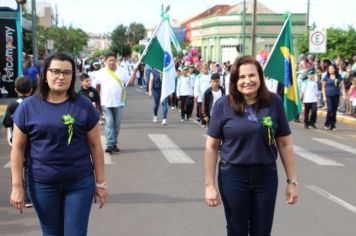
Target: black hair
{"x":353,"y":75}
{"x":84,"y":76}
{"x":43,"y":88}
{"x":215,"y":76}
{"x":110,"y":54}
{"x":23,"y":85}
{"x":337,"y":75}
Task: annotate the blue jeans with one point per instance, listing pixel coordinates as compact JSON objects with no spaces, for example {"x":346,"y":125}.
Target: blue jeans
{"x":248,"y":193}
{"x":156,"y":93}
{"x":63,"y":208}
{"x":113,"y":117}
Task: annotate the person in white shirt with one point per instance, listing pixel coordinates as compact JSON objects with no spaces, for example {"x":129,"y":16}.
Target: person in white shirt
{"x":185,"y":91}
{"x":202,"y":83}
{"x":111,"y":84}
{"x":96,"y":67}
{"x":309,"y":96}
{"x":271,"y":84}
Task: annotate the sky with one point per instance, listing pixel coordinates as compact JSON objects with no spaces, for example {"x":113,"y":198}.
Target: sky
{"x":102,"y":16}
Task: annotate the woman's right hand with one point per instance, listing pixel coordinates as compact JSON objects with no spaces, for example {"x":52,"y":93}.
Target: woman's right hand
{"x":17,"y":198}
{"x":212,"y":196}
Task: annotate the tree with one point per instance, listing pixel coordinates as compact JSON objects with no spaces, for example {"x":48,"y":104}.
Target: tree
{"x":119,"y":40}
{"x":99,"y":53}
{"x":70,"y":40}
{"x":136,"y":32}
{"x":123,"y":38}
{"x":340,"y":42}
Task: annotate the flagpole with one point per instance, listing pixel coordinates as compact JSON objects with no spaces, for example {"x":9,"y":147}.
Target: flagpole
{"x":280,"y":33}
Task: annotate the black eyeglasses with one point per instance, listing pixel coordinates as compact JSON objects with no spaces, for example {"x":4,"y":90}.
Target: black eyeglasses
{"x":58,"y":72}
{"x":251,"y":115}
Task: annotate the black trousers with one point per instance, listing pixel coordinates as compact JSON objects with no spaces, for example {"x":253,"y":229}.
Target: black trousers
{"x":310,"y":110}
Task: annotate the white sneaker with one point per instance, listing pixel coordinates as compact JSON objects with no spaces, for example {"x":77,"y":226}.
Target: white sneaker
{"x":155,"y":120}
{"x":164,"y":122}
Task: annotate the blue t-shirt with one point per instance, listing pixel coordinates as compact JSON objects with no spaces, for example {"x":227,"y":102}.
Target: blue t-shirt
{"x":157,"y":82}
{"x":332,"y":87}
{"x":51,"y":159}
{"x":32,"y":73}
{"x":246,"y":141}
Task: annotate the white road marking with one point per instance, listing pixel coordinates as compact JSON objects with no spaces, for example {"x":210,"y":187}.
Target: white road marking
{"x":139,"y":90}
{"x":336,"y":145}
{"x":8,"y":164}
{"x":313,"y":157}
{"x":107,"y":156}
{"x":170,"y":150}
{"x":329,"y":133}
{"x":333,"y":198}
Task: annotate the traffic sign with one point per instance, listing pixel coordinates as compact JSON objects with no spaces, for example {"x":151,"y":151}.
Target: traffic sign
{"x":317,"y":41}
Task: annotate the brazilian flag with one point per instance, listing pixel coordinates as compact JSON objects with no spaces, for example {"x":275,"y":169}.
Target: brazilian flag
{"x":281,"y":66}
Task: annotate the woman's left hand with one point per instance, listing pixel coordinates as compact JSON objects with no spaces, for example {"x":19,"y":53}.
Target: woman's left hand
{"x":291,"y":194}
{"x":101,"y":195}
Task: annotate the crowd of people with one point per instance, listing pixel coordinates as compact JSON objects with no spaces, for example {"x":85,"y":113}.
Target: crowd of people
{"x":238,"y":105}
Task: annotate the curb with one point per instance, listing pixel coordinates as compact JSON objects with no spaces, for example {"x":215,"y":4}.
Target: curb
{"x":2,"y":109}
{"x":339,"y":117}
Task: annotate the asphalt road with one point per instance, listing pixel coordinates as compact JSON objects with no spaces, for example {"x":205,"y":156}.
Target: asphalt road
{"x":157,"y":182}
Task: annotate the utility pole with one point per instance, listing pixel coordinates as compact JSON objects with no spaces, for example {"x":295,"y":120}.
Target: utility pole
{"x":34,"y":33}
{"x":308,"y":13}
{"x":253,"y":51}
{"x":56,"y":17}
{"x":244,"y":28}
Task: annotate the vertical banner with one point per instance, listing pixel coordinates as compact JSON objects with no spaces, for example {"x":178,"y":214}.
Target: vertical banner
{"x":8,"y":55}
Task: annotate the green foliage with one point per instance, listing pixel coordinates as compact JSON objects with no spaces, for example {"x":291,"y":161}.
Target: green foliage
{"x":303,"y":45}
{"x":99,"y":53}
{"x":118,"y":40}
{"x":135,"y":33}
{"x":340,"y":42}
{"x":124,"y":38}
{"x":138,"y":48}
{"x":70,"y":40}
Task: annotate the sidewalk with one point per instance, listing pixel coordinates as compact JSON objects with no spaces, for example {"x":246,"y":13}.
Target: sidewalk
{"x":321,"y":113}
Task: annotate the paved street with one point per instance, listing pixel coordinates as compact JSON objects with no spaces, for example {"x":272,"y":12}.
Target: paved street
{"x":157,"y":182}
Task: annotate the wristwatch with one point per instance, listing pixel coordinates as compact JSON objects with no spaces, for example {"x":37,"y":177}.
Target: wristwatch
{"x":103,"y":185}
{"x":292,"y":181}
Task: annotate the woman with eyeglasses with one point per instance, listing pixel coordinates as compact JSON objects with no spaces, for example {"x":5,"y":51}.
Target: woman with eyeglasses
{"x":59,"y":129}
{"x":247,"y":129}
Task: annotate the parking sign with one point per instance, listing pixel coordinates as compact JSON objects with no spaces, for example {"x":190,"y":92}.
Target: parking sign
{"x":317,"y":41}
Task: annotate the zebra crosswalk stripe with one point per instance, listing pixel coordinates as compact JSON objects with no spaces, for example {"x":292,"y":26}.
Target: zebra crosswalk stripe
{"x":313,"y":157}
{"x":336,"y":145}
{"x":170,"y":150}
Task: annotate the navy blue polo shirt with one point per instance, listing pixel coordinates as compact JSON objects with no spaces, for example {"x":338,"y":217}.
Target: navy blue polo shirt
{"x":244,"y":141}
{"x":51,"y":159}
{"x":332,"y":87}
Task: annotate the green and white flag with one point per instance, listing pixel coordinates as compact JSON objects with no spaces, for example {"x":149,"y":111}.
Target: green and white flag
{"x":174,"y":40}
{"x":159,"y":55}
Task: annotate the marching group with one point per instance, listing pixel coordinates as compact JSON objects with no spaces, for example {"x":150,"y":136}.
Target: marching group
{"x":56,"y":132}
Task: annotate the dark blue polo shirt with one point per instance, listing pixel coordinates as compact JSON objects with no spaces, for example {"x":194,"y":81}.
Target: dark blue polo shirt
{"x":51,"y":159}
{"x":332,"y":87}
{"x":244,"y":141}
